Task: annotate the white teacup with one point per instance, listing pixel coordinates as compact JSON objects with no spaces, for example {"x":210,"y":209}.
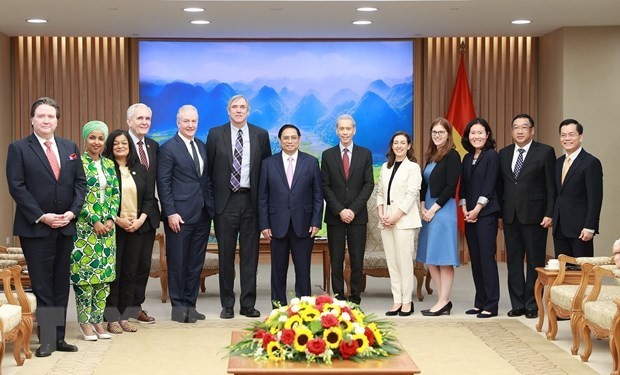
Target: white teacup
{"x":553,"y":264}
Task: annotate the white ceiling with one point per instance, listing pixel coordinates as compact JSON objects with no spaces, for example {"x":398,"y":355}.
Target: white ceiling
{"x":302,"y":18}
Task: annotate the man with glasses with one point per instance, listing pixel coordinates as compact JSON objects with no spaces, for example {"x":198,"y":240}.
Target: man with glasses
{"x":526,"y":192}
{"x":579,"y":183}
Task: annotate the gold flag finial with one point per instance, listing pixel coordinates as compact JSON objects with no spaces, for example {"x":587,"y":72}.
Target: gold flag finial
{"x":462,"y":46}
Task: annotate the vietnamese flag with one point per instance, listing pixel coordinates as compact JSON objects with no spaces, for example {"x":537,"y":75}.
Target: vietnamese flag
{"x":460,"y":112}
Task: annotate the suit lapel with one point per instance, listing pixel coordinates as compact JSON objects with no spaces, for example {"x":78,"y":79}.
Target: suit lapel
{"x":298,"y":168}
{"x":228,"y":144}
{"x":576,"y":164}
{"x":531,"y":154}
{"x":337,"y":157}
{"x":281,"y":168}
{"x":254,"y":150}
{"x":35,"y":146}
{"x":185,"y":152}
{"x":507,"y":161}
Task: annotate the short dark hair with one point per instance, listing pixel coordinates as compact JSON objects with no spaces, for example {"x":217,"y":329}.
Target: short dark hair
{"x":465,"y":140}
{"x":288,"y":126}
{"x":571,"y":121}
{"x":44,"y":100}
{"x":523,"y":115}
{"x":108,"y":152}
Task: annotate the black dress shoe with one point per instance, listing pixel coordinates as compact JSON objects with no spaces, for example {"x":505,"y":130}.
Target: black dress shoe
{"x":62,"y":346}
{"x":488,"y":315}
{"x":250,"y":312}
{"x":195,"y":314}
{"x":393,"y":312}
{"x":227,"y":313}
{"x":183,"y":318}
{"x":355,"y":300}
{"x":45,"y":350}
{"x":531,"y":314}
{"x":473,"y":311}
{"x":443,"y":311}
{"x":406,"y":313}
{"x":516,"y":312}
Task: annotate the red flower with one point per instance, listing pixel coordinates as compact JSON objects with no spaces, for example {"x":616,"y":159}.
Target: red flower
{"x":267,"y":338}
{"x":323,"y":299}
{"x":370,"y":336}
{"x":347,"y":310}
{"x":316,"y":346}
{"x":329,"y":320}
{"x":259,"y":334}
{"x":348,"y":349}
{"x":287,"y":337}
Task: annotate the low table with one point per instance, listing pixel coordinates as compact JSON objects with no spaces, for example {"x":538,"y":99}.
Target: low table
{"x":398,"y":364}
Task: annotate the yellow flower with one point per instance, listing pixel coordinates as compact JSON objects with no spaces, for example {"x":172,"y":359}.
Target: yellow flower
{"x":378,"y":335}
{"x":362,"y":342}
{"x":331,"y":308}
{"x":346,"y":325}
{"x":302,"y":335}
{"x":309,"y":314}
{"x":293,"y":322}
{"x":358,"y":315}
{"x":333,"y":337}
{"x":274,"y":350}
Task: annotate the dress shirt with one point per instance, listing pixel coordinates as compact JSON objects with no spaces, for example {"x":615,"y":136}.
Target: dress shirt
{"x":285,"y":157}
{"x":515,"y":154}
{"x":54,"y":147}
{"x":350,"y":148}
{"x":137,"y":148}
{"x":191,"y":153}
{"x":244,"y":180}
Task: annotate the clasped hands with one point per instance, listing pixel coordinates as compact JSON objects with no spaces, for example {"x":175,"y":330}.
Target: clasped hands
{"x":101,"y":229}
{"x":267,"y":232}
{"x":57,"y":220}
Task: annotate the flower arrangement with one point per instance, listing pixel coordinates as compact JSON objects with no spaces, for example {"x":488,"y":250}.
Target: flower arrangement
{"x":317,"y":329}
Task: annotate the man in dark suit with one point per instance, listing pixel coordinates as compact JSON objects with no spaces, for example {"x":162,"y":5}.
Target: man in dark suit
{"x":290,"y":209}
{"x":526,"y":191}
{"x":348,"y":181}
{"x":139,"y":122}
{"x":187,"y":208}
{"x":236,"y":151}
{"x":46,"y":179}
{"x":579,"y":183}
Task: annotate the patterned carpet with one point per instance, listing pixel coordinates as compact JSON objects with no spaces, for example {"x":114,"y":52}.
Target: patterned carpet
{"x":438,"y":346}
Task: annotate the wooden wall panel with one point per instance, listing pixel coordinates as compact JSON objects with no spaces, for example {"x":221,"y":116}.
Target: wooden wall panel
{"x":88,"y":76}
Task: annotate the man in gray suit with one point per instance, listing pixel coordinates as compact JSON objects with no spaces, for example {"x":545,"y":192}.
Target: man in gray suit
{"x":235,"y":152}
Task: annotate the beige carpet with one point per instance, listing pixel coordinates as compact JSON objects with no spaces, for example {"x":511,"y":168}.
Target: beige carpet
{"x":437,"y":346}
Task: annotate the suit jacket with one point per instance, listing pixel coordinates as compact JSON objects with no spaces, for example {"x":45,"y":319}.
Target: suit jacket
{"x":405,"y":192}
{"x":145,"y":191}
{"x":579,"y":199}
{"x":479,"y":180}
{"x":220,"y":156}
{"x":152,"y":210}
{"x":444,"y":178}
{"x":351,"y":193}
{"x":531,"y":196}
{"x":181,"y":189}
{"x":301,"y":204}
{"x":35,"y":190}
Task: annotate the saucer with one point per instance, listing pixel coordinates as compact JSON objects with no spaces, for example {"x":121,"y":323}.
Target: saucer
{"x":547,"y":268}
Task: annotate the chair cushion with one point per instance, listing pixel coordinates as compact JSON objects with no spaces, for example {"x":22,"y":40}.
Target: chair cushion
{"x":155,"y":264}
{"x":11,"y":256}
{"x":211,"y":261}
{"x":562,"y":295}
{"x":374,"y":260}
{"x":11,"y":316}
{"x":14,"y":250}
{"x":4,"y":263}
{"x":32,"y":300}
{"x":597,"y":261}
{"x":600,"y":312}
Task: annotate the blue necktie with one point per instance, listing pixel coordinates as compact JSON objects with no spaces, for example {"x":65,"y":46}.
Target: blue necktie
{"x":519,"y":162}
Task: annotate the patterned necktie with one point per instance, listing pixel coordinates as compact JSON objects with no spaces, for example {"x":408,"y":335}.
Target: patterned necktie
{"x":53,"y":160}
{"x":289,"y":171}
{"x":565,"y":168}
{"x":195,"y":157}
{"x":235,"y":176}
{"x":142,"y":154}
{"x":345,"y":163}
{"x":519,"y":162}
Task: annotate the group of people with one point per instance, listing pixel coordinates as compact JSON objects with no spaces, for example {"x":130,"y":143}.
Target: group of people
{"x":90,"y":220}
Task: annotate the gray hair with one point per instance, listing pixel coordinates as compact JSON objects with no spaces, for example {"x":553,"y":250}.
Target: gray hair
{"x":131,"y":111}
{"x":235,"y":97}
{"x":186,"y":107}
{"x":345,"y":117}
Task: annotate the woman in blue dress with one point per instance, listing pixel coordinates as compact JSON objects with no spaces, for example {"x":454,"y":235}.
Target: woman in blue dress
{"x":437,"y":245}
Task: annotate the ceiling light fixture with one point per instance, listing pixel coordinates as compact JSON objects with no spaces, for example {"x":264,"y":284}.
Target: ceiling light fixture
{"x":520,"y":22}
{"x":367,"y":9}
{"x":362,"y":22}
{"x":193,"y":10}
{"x":200,"y":22}
{"x":36,"y":20}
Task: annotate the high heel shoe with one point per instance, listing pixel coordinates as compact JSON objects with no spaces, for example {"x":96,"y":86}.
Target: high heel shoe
{"x":104,"y":336}
{"x":87,"y":337}
{"x":394,"y":312}
{"x":443,"y":311}
{"x":406,"y":313}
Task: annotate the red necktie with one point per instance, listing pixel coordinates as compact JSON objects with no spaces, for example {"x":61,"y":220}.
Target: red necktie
{"x":345,"y":163}
{"x":142,"y":154}
{"x":51,"y":157}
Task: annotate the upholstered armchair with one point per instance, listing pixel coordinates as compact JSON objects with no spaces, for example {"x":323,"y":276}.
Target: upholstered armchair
{"x":601,"y":317}
{"x":15,"y":325}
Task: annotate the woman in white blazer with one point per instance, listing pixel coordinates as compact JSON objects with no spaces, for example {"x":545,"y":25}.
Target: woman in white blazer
{"x":398,"y":203}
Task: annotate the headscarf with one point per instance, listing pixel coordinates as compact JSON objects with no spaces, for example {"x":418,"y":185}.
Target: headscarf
{"x":91,"y":126}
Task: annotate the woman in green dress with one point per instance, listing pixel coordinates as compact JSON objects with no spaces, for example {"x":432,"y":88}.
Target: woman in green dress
{"x":93,"y":257}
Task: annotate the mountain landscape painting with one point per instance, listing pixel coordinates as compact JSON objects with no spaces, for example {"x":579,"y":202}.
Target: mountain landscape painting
{"x":307,"y":83}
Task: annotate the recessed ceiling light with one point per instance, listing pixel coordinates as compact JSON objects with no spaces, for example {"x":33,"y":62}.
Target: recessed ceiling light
{"x":36,"y":20}
{"x":362,"y":22}
{"x":520,"y":22}
{"x":193,"y":10}
{"x":367,"y":9}
{"x":200,"y":22}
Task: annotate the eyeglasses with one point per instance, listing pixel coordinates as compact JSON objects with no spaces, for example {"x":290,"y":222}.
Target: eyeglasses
{"x":520,"y":128}
{"x":435,"y":133}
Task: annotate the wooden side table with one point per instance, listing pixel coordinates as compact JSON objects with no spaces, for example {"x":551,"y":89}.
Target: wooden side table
{"x":544,"y":280}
